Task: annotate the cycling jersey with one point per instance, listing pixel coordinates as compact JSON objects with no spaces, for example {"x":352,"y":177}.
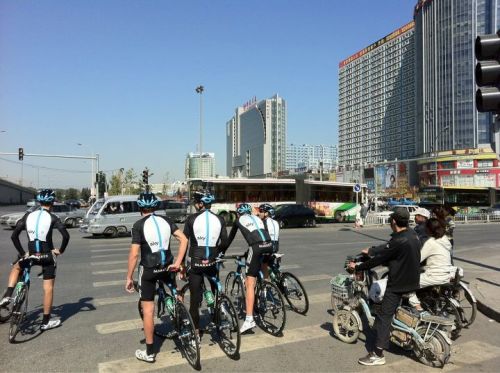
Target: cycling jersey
{"x":153,"y":233}
{"x":273,"y":228}
{"x":206,"y":233}
{"x":252,"y":228}
{"x":39,"y":225}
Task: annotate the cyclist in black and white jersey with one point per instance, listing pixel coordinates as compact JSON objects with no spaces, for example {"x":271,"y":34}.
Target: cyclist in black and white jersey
{"x":266,"y":213}
{"x":151,"y":238}
{"x":259,"y":242}
{"x":39,"y":226}
{"x":207,"y":235}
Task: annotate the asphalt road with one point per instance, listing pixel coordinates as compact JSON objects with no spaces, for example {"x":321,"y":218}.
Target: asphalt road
{"x":101,"y":328}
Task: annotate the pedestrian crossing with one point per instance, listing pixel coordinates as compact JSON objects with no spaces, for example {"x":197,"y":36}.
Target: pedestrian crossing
{"x":109,"y":275}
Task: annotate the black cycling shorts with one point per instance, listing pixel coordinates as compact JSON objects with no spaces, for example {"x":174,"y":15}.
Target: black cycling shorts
{"x":148,"y":278}
{"x":255,"y":254}
{"x":47,"y":263}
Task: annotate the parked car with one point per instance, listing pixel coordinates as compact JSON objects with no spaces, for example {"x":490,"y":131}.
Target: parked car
{"x":4,"y":219}
{"x":383,"y":217}
{"x":73,"y":203}
{"x":68,"y":215}
{"x":400,"y":201}
{"x":177,"y":211}
{"x":494,"y":210}
{"x":292,"y":215}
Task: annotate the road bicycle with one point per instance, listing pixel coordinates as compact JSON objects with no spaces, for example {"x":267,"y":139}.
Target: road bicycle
{"x":224,"y":317}
{"x":19,"y":305}
{"x":174,"y":315}
{"x":289,"y":285}
{"x":269,"y":307}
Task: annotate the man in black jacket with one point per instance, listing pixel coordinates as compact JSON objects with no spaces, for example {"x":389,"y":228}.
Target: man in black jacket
{"x":402,"y":256}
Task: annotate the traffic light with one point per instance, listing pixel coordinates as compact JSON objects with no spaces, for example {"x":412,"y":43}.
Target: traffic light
{"x":21,"y":154}
{"x":487,"y":50}
{"x":145,"y":176}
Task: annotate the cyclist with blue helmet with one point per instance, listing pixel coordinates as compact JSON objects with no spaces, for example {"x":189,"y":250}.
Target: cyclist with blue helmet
{"x":39,"y":225}
{"x":259,"y":242}
{"x":151,"y":238}
{"x":207,"y":235}
{"x":266,"y":213}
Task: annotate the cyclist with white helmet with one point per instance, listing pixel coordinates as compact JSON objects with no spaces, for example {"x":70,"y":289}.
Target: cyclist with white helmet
{"x":266,"y":213}
{"x":151,"y":238}
{"x":207,"y":235}
{"x":259,"y":242}
{"x":39,"y":225}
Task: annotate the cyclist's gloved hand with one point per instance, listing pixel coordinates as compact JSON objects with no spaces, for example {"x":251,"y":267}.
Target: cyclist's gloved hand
{"x":221,"y":255}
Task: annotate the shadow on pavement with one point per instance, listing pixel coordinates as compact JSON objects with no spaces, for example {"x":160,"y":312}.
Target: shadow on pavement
{"x":67,"y":310}
{"x":367,"y":235}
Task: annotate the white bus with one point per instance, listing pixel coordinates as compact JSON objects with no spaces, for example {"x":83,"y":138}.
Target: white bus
{"x":329,"y":200}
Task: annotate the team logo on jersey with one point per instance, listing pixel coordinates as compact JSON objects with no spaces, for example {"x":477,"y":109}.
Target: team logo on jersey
{"x":200,"y":237}
{"x":154,"y":243}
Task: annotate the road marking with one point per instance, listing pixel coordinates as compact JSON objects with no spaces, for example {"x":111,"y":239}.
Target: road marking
{"x":289,"y":266}
{"x":108,"y":255}
{"x":320,"y":298}
{"x":314,"y":278}
{"x":118,"y":326}
{"x":251,"y":343}
{"x":108,"y":244}
{"x":109,"y":262}
{"x":119,"y":270}
{"x":100,"y":284}
{"x":110,"y":250}
{"x":114,"y":300}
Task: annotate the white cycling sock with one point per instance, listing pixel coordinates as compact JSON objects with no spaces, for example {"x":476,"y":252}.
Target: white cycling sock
{"x":249,"y":318}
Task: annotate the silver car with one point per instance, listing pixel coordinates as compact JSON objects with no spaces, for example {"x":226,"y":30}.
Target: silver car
{"x":69,"y":216}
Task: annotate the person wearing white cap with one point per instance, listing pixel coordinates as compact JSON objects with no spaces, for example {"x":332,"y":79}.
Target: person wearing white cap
{"x":421,"y":217}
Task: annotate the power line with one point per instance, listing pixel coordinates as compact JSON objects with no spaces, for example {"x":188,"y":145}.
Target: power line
{"x":54,"y":169}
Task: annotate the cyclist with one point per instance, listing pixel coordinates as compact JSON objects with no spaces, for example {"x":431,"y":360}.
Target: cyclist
{"x":259,"y":243}
{"x":151,"y":237}
{"x":266,"y":213}
{"x":39,"y":226}
{"x":207,"y":234}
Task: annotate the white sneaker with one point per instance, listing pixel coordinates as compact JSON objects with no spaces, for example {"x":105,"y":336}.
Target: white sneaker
{"x":51,"y":324}
{"x":5,"y":301}
{"x":142,"y":355}
{"x":247,"y":325}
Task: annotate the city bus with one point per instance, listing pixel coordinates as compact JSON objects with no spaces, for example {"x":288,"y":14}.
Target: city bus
{"x":469,"y":199}
{"x":329,"y":200}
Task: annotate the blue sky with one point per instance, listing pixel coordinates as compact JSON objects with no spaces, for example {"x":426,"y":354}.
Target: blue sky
{"x":119,"y":77}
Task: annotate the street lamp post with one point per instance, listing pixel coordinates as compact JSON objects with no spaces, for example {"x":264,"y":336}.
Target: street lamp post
{"x":200,"y":90}
{"x":92,"y":173}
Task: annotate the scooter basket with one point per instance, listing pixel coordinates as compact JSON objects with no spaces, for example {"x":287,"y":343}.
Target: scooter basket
{"x":341,"y":287}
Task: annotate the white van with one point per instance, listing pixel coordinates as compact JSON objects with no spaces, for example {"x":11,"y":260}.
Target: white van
{"x":113,"y":216}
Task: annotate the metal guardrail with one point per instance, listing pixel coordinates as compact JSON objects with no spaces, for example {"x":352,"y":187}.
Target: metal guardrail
{"x":373,"y":219}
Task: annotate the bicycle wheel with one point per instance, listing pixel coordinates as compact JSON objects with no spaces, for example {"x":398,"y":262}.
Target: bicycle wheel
{"x":227,"y":327}
{"x":163,"y":327}
{"x":18,"y":312}
{"x":294,"y":292}
{"x":187,"y":336}
{"x":236,"y":292}
{"x":468,"y":306}
{"x":270,"y":308}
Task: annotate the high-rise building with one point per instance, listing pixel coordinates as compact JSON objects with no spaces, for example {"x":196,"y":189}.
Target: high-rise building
{"x":256,"y":139}
{"x":308,"y":157}
{"x":445,"y":31}
{"x":377,"y":101}
{"x":200,"y":167}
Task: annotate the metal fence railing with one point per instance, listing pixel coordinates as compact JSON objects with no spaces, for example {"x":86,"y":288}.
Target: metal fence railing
{"x":376,"y":219}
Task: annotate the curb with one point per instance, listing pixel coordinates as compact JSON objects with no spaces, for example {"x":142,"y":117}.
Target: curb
{"x":481,"y":290}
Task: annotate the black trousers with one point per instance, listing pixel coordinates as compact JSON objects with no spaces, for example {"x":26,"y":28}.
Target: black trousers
{"x":195,"y":289}
{"x":384,"y":318}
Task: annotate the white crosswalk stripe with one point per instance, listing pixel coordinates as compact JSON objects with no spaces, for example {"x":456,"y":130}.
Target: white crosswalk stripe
{"x":250,"y":343}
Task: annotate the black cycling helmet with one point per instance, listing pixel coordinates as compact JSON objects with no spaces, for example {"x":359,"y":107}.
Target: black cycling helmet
{"x":46,"y":196}
{"x":203,"y":196}
{"x":266,"y":207}
{"x":244,"y":208}
{"x":147,"y":201}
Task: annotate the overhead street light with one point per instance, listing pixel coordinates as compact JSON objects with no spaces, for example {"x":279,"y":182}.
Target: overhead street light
{"x":200,"y":90}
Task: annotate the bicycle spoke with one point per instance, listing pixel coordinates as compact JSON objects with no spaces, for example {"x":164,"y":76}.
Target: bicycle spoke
{"x":227,"y":328}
